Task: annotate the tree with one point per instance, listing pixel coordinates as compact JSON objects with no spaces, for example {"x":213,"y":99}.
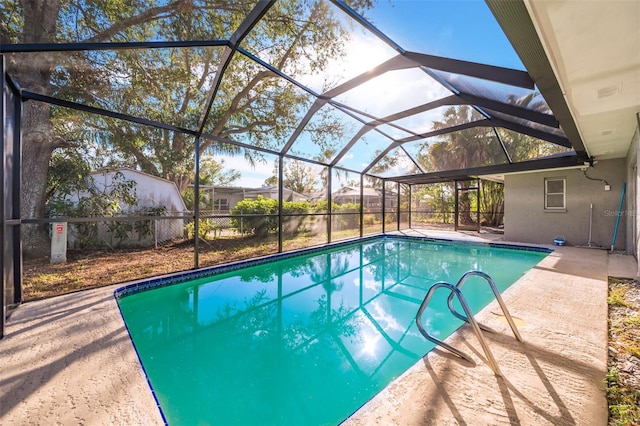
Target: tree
{"x":460,"y":150}
{"x":523,"y":147}
{"x":385,"y":163}
{"x":435,"y":199}
{"x":298,"y":176}
{"x":69,"y":169}
{"x":212,"y":173}
{"x":473,"y":147}
{"x":167,"y":85}
{"x":492,"y":202}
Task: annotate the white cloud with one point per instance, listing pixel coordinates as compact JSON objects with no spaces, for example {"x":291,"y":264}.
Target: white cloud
{"x":368,"y":284}
{"x":385,"y":319}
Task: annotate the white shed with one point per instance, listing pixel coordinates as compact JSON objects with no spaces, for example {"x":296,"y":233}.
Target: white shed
{"x":151,"y":192}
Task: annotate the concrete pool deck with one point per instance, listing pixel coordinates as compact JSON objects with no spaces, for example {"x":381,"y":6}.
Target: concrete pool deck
{"x":69,"y":360}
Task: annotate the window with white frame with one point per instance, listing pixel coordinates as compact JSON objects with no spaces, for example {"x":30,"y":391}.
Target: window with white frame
{"x":221,"y":204}
{"x":555,"y":194}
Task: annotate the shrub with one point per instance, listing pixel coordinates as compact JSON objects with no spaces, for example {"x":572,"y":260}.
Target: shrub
{"x":257,"y":216}
{"x":347,"y":214}
{"x":294,"y":213}
{"x":260,"y":216}
{"x":205,"y":227}
{"x":321,"y":206}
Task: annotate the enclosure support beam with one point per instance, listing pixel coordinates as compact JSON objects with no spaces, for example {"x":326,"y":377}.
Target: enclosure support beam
{"x":384,"y":206}
{"x":398,"y":207}
{"x":478,"y":202}
{"x":317,"y":105}
{"x":502,"y":145}
{"x":280,"y":197}
{"x":2,"y":200}
{"x":514,"y":19}
{"x":569,"y":160}
{"x":196,"y":206}
{"x":329,"y":200}
{"x":365,"y":128}
{"x":234,"y":42}
{"x":410,"y":207}
{"x":361,"y":205}
{"x":10,"y":178}
{"x":456,"y":211}
{"x":16,"y":179}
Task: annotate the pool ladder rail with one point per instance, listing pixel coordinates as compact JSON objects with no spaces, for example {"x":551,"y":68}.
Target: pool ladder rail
{"x":469,"y":318}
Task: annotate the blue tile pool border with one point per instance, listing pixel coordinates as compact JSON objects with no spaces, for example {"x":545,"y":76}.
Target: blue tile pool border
{"x":179,"y":277}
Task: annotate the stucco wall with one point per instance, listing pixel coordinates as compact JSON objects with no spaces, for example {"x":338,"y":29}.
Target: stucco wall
{"x":526,"y":219}
{"x":633,"y":178}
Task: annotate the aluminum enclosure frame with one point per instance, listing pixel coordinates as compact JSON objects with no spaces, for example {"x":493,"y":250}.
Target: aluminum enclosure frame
{"x":509,"y":14}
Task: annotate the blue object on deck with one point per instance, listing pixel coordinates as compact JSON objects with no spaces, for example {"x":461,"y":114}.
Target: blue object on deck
{"x":559,"y":241}
{"x":615,"y":230}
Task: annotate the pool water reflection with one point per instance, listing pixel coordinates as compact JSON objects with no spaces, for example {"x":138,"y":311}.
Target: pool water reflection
{"x":303,"y":340}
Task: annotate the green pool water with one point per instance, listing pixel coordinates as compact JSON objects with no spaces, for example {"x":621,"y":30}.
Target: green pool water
{"x":304,"y":340}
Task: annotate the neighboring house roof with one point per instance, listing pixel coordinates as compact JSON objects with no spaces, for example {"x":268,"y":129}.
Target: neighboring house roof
{"x":272,"y":189}
{"x":125,"y":170}
{"x":251,"y":191}
{"x":346,"y":191}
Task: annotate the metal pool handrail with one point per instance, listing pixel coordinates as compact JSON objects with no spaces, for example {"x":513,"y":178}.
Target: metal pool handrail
{"x":496,"y":293}
{"x":469,"y":318}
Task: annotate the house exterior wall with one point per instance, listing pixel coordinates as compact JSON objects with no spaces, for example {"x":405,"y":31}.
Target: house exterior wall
{"x":633,"y":177}
{"x":234,"y":199}
{"x":232,"y":195}
{"x":526,"y":219}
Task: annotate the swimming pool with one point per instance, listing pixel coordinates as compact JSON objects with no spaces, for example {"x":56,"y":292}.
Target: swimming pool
{"x":306,"y":339}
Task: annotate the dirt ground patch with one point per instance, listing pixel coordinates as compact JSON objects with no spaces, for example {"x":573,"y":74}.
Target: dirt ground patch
{"x":94,"y":268}
{"x":623,"y":378}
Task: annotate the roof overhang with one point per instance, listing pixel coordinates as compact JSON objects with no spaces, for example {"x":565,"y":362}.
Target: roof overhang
{"x":585,"y":58}
{"x":555,"y":162}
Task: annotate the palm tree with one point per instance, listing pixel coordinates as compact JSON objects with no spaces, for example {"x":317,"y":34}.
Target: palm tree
{"x":523,"y":147}
{"x":464,"y":148}
{"x":461,"y":149}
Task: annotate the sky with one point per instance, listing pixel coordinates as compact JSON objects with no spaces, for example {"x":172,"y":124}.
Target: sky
{"x":459,"y":29}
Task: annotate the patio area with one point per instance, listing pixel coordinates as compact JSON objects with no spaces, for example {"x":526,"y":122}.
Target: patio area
{"x":69,"y":360}
{"x":282,"y":125}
